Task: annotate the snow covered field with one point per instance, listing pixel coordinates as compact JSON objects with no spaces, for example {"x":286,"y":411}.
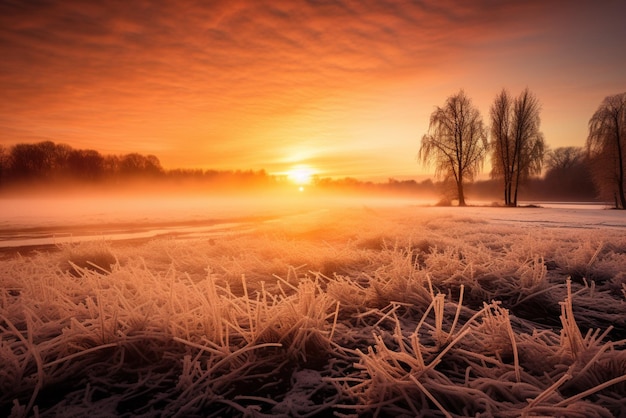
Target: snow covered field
{"x":52,"y":221}
{"x":307,"y":308}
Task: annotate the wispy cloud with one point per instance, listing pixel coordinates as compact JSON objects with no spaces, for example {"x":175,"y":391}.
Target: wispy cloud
{"x":228,"y":72}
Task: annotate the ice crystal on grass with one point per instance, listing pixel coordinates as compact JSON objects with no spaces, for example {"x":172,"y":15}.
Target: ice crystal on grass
{"x":353,"y":311}
{"x":92,"y":256}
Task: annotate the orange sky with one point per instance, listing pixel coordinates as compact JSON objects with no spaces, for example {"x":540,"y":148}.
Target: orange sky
{"x":343,"y":86}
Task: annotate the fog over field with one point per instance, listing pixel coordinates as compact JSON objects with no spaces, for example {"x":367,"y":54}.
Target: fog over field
{"x":300,"y":306}
{"x":44,"y":220}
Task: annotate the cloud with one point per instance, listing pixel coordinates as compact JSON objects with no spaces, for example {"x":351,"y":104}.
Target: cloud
{"x":231,"y":71}
{"x":248,"y":48}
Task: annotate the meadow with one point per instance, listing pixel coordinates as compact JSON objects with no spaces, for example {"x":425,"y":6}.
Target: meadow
{"x":348,"y":311}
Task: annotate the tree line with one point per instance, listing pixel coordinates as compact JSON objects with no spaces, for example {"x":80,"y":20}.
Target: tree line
{"x":47,"y":161}
{"x":54,"y":164}
{"x":567,"y":175}
{"x":50,"y":163}
{"x":457,"y":145}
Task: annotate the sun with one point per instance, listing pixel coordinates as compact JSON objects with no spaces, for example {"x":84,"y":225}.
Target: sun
{"x":301,"y":175}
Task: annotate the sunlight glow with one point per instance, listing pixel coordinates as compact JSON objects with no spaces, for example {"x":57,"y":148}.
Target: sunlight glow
{"x":300,"y":174}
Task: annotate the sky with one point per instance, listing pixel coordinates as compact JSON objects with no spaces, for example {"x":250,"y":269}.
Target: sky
{"x":337,"y":87}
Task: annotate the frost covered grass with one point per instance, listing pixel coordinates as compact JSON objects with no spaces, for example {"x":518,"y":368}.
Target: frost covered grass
{"x":347,"y":312}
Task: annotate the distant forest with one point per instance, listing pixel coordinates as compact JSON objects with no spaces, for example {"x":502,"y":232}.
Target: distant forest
{"x":46,"y":164}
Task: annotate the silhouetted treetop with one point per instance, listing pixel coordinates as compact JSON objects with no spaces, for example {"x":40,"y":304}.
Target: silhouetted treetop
{"x":564,"y":158}
{"x":456,"y":142}
{"x":47,"y":161}
{"x":568,"y":174}
{"x":517,"y":143}
{"x":606,"y":147}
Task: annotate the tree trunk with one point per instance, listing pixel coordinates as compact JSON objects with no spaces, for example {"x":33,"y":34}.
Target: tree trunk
{"x":459,"y":186}
{"x":517,"y":180}
{"x":620,"y":159}
{"x":509,"y":188}
{"x":506,"y":194}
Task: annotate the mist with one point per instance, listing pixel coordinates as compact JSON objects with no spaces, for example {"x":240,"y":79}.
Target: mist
{"x":51,"y":217}
{"x":242,"y":293}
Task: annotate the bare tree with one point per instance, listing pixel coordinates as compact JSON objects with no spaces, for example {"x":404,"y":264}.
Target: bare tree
{"x":135,"y":164}
{"x":563,"y":158}
{"x":606,"y":147}
{"x":568,"y":175}
{"x":4,"y":163}
{"x":517,"y":143}
{"x":86,"y":164}
{"x":502,"y":144}
{"x":456,"y":141}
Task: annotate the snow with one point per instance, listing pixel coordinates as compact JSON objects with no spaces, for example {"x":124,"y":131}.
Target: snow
{"x":54,"y":221}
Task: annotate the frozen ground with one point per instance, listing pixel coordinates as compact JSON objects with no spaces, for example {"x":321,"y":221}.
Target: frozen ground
{"x":44,"y":221}
{"x":313,"y":309}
